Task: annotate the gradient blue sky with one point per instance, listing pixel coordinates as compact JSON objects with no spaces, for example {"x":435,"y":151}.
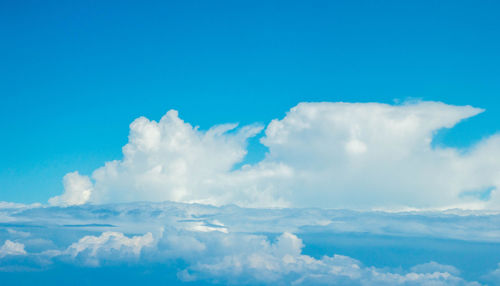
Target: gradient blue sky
{"x":73,"y":75}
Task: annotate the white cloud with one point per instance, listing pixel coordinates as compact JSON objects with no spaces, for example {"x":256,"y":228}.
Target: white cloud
{"x":433,"y":266}
{"x":12,"y":248}
{"x":248,"y":259}
{"x":370,"y":155}
{"x":171,"y":160}
{"x":77,"y":190}
{"x":109,"y":245}
{"x":341,"y":155}
{"x":200,"y":226}
{"x":258,"y":261}
{"x":11,"y":205}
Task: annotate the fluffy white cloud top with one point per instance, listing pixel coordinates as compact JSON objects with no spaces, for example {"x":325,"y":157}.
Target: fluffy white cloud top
{"x":377,"y":155}
{"x":77,"y":190}
{"x":340,"y":155}
{"x":165,"y":160}
{"x":256,"y":260}
{"x":108,"y":245}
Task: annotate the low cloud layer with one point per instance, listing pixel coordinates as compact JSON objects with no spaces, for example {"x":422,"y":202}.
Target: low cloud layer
{"x":334,"y":155}
{"x":180,"y":243}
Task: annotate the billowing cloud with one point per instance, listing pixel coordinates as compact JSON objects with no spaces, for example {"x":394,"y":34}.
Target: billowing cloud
{"x":77,"y":190}
{"x":165,"y":160}
{"x":109,"y":245}
{"x":258,"y":261}
{"x":341,"y":155}
{"x":353,"y":155}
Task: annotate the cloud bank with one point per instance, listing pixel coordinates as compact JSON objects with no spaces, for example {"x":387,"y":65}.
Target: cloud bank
{"x":180,"y":243}
{"x":333,"y":155}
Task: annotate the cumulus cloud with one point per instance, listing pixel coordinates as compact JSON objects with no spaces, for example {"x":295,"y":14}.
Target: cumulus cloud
{"x":341,"y":155}
{"x":109,"y":246}
{"x":255,"y":260}
{"x":167,"y":160}
{"x":12,"y":248}
{"x":377,"y":155}
{"x":247,"y":259}
{"x":77,"y":190}
{"x":241,"y":259}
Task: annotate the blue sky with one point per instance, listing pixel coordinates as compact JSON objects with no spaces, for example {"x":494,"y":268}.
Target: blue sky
{"x":366,"y":151}
{"x":75,"y":75}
